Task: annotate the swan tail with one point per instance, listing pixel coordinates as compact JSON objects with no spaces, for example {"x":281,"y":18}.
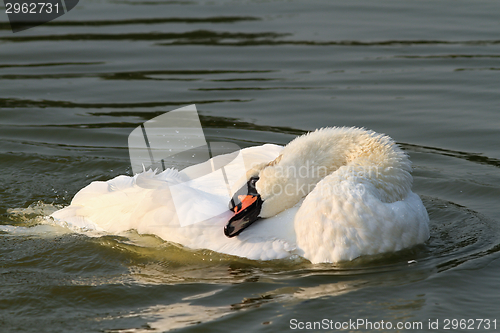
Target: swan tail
{"x":119,"y":204}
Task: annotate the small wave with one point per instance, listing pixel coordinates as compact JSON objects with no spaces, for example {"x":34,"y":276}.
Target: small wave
{"x":34,"y":213}
{"x":52,"y":64}
{"x":478,"y":69}
{"x":25,"y":103}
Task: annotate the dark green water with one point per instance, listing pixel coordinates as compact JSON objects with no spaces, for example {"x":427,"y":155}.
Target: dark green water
{"x":426,"y":73}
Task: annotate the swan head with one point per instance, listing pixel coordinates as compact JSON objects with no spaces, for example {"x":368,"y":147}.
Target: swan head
{"x":261,"y":196}
{"x":246,"y":205}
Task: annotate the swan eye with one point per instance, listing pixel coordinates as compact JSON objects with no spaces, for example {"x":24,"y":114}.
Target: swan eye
{"x":252,"y":181}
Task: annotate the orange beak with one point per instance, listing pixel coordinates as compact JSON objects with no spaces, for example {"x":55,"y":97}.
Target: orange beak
{"x":246,"y":200}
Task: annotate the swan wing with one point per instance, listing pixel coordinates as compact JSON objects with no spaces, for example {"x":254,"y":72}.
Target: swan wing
{"x":145,"y":203}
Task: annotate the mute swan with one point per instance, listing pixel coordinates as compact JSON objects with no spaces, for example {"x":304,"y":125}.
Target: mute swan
{"x":331,"y":195}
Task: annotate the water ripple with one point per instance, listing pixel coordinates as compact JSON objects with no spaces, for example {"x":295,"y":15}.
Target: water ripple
{"x":24,"y":103}
{"x":98,"y":23}
{"x":216,"y":38}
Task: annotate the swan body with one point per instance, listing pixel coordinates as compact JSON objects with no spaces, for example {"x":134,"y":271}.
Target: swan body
{"x":331,"y":195}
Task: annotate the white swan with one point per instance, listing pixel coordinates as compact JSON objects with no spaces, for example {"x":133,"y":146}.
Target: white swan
{"x":331,"y":195}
